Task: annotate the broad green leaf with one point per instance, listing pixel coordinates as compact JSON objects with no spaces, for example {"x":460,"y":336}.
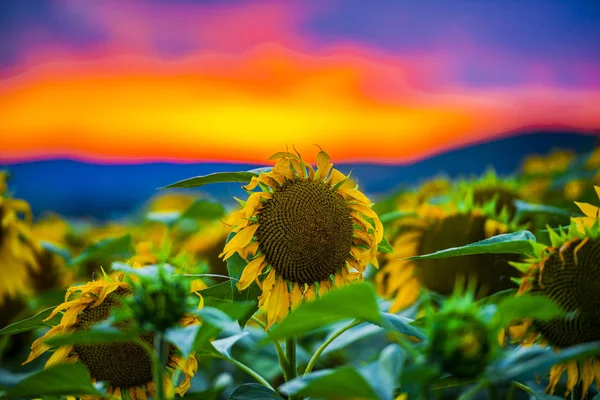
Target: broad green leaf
{"x":149,"y":271}
{"x":115,"y":248}
{"x":508,"y":243}
{"x":221,"y":291}
{"x":383,"y":374}
{"x":96,"y":335}
{"x":58,"y":380}
{"x":218,"y":177}
{"x":224,"y":345}
{"x":401,"y":324}
{"x":353,"y":301}
{"x":203,"y":209}
{"x":352,"y":335}
{"x":543,"y":361}
{"x":235,"y":266}
{"x":395,"y":215}
{"x":529,"y":208}
{"x":56,"y":249}
{"x":31,"y":323}
{"x":536,"y":307}
{"x":217,"y":318}
{"x":253,"y":391}
{"x":184,"y":338}
{"x":343,"y":382}
{"x":385,"y":246}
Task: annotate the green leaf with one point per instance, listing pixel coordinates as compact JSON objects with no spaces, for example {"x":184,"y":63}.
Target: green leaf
{"x":353,"y":301}
{"x":218,"y":177}
{"x":352,"y":335}
{"x":395,"y":215}
{"x":385,"y":246}
{"x":383,"y":374}
{"x":224,"y":345}
{"x":543,"y":361}
{"x":184,"y":338}
{"x":221,"y":291}
{"x":31,"y":323}
{"x":508,"y":243}
{"x":344,"y":382}
{"x":58,"y":380}
{"x":235,"y":266}
{"x":217,"y":318}
{"x":529,"y":208}
{"x":401,"y":324}
{"x":56,"y":249}
{"x":98,"y":334}
{"x":149,"y":271}
{"x":536,"y":307}
{"x":115,"y":248}
{"x":204,"y":209}
{"x":253,"y":391}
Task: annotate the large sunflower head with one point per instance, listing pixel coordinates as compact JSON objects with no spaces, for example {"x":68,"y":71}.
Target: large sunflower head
{"x":18,"y":249}
{"x":125,"y":366}
{"x":567,"y":272}
{"x":439,"y":227}
{"x":304,"y":232}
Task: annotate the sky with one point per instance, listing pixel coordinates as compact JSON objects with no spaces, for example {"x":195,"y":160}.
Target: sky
{"x":236,"y":81}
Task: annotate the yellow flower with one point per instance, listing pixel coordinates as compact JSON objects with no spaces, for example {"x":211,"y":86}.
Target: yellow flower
{"x":592,"y":213}
{"x":18,"y":249}
{"x":554,"y":163}
{"x":567,"y":272}
{"x":439,"y":227}
{"x":304,"y":233}
{"x":125,"y":366}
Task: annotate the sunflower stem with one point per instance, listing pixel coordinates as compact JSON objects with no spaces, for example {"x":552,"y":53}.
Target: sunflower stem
{"x":290,"y":349}
{"x":244,"y":368}
{"x":159,"y":361}
{"x":283,"y":361}
{"x":321,"y":349}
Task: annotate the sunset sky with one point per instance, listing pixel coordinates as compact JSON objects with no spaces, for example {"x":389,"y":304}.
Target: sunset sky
{"x":382,"y":81}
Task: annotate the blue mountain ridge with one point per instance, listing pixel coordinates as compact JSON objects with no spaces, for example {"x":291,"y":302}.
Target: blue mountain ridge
{"x":80,"y":189}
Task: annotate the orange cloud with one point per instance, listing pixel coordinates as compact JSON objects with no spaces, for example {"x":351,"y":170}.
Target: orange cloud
{"x":244,"y":107}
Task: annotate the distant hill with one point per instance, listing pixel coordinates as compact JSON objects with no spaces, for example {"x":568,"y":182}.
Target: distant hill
{"x":75,"y":188}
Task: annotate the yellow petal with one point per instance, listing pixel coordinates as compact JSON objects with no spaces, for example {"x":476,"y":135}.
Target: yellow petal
{"x":296,"y":296}
{"x":240,"y":240}
{"x":323,"y":165}
{"x":588,"y":209}
{"x":251,"y":272}
{"x":254,"y":202}
{"x":587,"y":376}
{"x":355,"y":195}
{"x":276,"y":302}
{"x":59,"y":356}
{"x":555,"y":373}
{"x":572,"y":375}
{"x":266,"y":287}
{"x":407,"y":296}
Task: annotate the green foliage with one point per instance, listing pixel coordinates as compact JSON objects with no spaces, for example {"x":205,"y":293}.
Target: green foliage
{"x":35,"y":322}
{"x":59,"y":380}
{"x":508,"y":243}
{"x":112,"y":248}
{"x":219,"y":177}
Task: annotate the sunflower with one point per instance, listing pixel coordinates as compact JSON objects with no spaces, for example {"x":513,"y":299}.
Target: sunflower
{"x":438,"y":227}
{"x":18,"y":249}
{"x":304,"y":233}
{"x":567,"y":272}
{"x":592,"y":213}
{"x":125,"y":366}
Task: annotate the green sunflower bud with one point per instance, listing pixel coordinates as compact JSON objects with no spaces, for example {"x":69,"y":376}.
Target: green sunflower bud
{"x":159,"y":301}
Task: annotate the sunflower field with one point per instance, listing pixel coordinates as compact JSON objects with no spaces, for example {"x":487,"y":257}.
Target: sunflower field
{"x":484,"y":287}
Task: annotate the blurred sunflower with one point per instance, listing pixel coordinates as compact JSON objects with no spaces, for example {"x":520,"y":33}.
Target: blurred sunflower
{"x":439,"y":227}
{"x":125,"y":366}
{"x":540,"y":172}
{"x":18,"y":248}
{"x":206,"y":245}
{"x":306,"y":232}
{"x":52,"y":272}
{"x":567,"y":272}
